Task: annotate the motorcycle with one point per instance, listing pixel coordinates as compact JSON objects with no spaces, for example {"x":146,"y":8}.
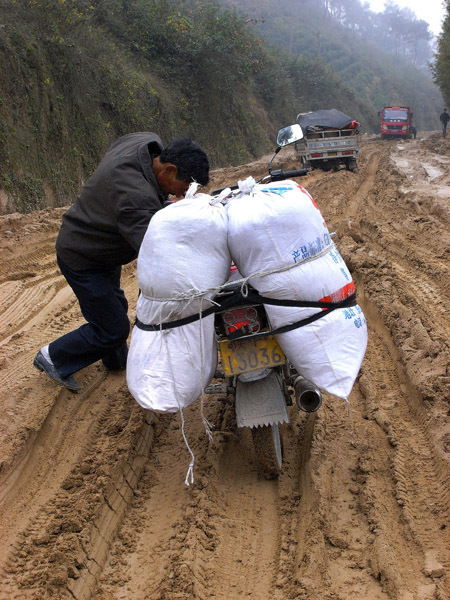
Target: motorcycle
{"x":255,"y":376}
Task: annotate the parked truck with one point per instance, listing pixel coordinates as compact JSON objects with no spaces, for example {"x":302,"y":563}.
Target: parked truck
{"x":330,"y":140}
{"x":396,"y":121}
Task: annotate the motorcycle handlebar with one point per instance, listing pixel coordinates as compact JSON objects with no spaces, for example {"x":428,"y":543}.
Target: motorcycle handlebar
{"x":277,"y":175}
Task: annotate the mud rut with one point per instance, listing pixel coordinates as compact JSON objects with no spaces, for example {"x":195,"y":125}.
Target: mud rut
{"x":93,"y":501}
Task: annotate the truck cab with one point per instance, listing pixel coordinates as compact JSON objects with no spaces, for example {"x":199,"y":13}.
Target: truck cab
{"x":396,"y":121}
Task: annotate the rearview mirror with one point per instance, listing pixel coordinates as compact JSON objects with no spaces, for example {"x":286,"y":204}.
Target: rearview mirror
{"x":289,"y":135}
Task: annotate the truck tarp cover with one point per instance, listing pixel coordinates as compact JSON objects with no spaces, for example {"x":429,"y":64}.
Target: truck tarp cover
{"x":334,"y":119}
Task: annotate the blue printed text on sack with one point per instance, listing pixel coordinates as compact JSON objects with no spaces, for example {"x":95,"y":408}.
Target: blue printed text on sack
{"x":312,"y":248}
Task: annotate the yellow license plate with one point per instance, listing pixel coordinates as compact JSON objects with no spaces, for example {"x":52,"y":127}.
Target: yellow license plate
{"x":241,"y":356}
{"x":332,"y":153}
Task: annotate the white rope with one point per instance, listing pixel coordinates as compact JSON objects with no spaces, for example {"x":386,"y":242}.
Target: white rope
{"x":208,"y":426}
{"x":219,"y":199}
{"x":349,"y":410}
{"x":190,"y":472}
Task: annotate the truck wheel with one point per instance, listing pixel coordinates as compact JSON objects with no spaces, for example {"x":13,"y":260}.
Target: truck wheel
{"x":351,"y":164}
{"x":268,"y":449}
{"x":305,"y":163}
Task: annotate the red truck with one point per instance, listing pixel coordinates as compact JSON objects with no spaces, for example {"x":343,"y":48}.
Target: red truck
{"x":396,"y":121}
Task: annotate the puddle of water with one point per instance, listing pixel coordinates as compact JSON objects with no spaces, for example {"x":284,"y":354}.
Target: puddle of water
{"x":442,"y":192}
{"x":401,"y":163}
{"x":442,"y":159}
{"x":431,"y":171}
{"x":435,"y":191}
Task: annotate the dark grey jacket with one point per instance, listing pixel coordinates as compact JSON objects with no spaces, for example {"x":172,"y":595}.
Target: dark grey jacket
{"x":107,"y":222}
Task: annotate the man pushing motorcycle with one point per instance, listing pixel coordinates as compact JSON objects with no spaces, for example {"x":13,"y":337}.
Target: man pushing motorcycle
{"x":102,"y":231}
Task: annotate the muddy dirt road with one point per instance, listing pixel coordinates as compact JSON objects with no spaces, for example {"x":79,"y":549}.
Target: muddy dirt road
{"x":92,"y":499}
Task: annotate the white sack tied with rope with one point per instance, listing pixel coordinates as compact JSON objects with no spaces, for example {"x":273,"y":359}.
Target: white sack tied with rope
{"x":272,"y":228}
{"x":184,"y":253}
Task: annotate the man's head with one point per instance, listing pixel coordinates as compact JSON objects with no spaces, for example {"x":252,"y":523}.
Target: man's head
{"x":179,"y":164}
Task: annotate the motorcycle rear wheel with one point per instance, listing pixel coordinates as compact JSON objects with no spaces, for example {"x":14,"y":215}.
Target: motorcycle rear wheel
{"x":268,"y":449}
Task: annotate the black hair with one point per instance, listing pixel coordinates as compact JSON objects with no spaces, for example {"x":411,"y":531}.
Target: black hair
{"x":190,"y":160}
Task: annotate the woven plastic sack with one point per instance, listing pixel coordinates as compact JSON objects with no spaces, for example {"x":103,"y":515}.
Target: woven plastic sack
{"x":279,"y":226}
{"x":183,"y":252}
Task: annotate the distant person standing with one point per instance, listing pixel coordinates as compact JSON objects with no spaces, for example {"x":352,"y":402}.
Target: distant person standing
{"x":445,"y":118}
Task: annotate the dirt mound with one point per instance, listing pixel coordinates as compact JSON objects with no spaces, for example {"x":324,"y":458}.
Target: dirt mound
{"x":92,"y":499}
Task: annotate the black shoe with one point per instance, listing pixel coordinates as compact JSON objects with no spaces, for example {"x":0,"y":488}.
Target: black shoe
{"x":42,"y":364}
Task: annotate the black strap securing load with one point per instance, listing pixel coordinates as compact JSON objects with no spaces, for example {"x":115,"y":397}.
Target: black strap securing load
{"x":235,"y":298}
{"x":327,"y":306}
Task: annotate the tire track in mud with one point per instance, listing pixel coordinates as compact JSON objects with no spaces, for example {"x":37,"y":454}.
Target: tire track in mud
{"x":240,"y":514}
{"x":69,"y":533}
{"x":57,"y":313}
{"x":30,"y":261}
{"x":29,"y":302}
{"x":218,"y":538}
{"x":434,"y":468}
{"x":45,"y":436}
{"x":420,"y":474}
{"x":17,"y":351}
{"x":219,"y":548}
{"x":405,"y":225}
{"x":21,"y":489}
{"x":333,"y":556}
{"x":419,"y":257}
{"x":30,"y":393}
{"x":229,"y":537}
{"x":32,"y":469}
{"x":411,"y":291}
{"x":146,"y":556}
{"x":398,"y":272}
{"x":361,"y":195}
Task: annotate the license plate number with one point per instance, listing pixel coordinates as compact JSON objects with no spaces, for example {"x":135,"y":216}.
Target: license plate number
{"x":332,"y":153}
{"x":241,"y":356}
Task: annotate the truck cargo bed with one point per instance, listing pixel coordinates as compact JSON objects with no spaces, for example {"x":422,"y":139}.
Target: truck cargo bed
{"x":328,"y":148}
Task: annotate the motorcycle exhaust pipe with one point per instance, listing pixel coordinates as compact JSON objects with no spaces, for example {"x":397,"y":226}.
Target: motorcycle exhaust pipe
{"x":307,"y":395}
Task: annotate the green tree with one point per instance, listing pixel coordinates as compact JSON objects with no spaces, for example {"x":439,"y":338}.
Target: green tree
{"x":441,"y":67}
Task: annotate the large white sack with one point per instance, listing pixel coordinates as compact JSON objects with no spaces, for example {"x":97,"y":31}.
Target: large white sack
{"x":165,"y":370}
{"x":184,"y":250}
{"x":277,"y":226}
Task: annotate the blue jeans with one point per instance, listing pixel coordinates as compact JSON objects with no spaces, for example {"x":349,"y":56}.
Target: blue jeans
{"x":104,"y":306}
{"x":444,"y":128}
